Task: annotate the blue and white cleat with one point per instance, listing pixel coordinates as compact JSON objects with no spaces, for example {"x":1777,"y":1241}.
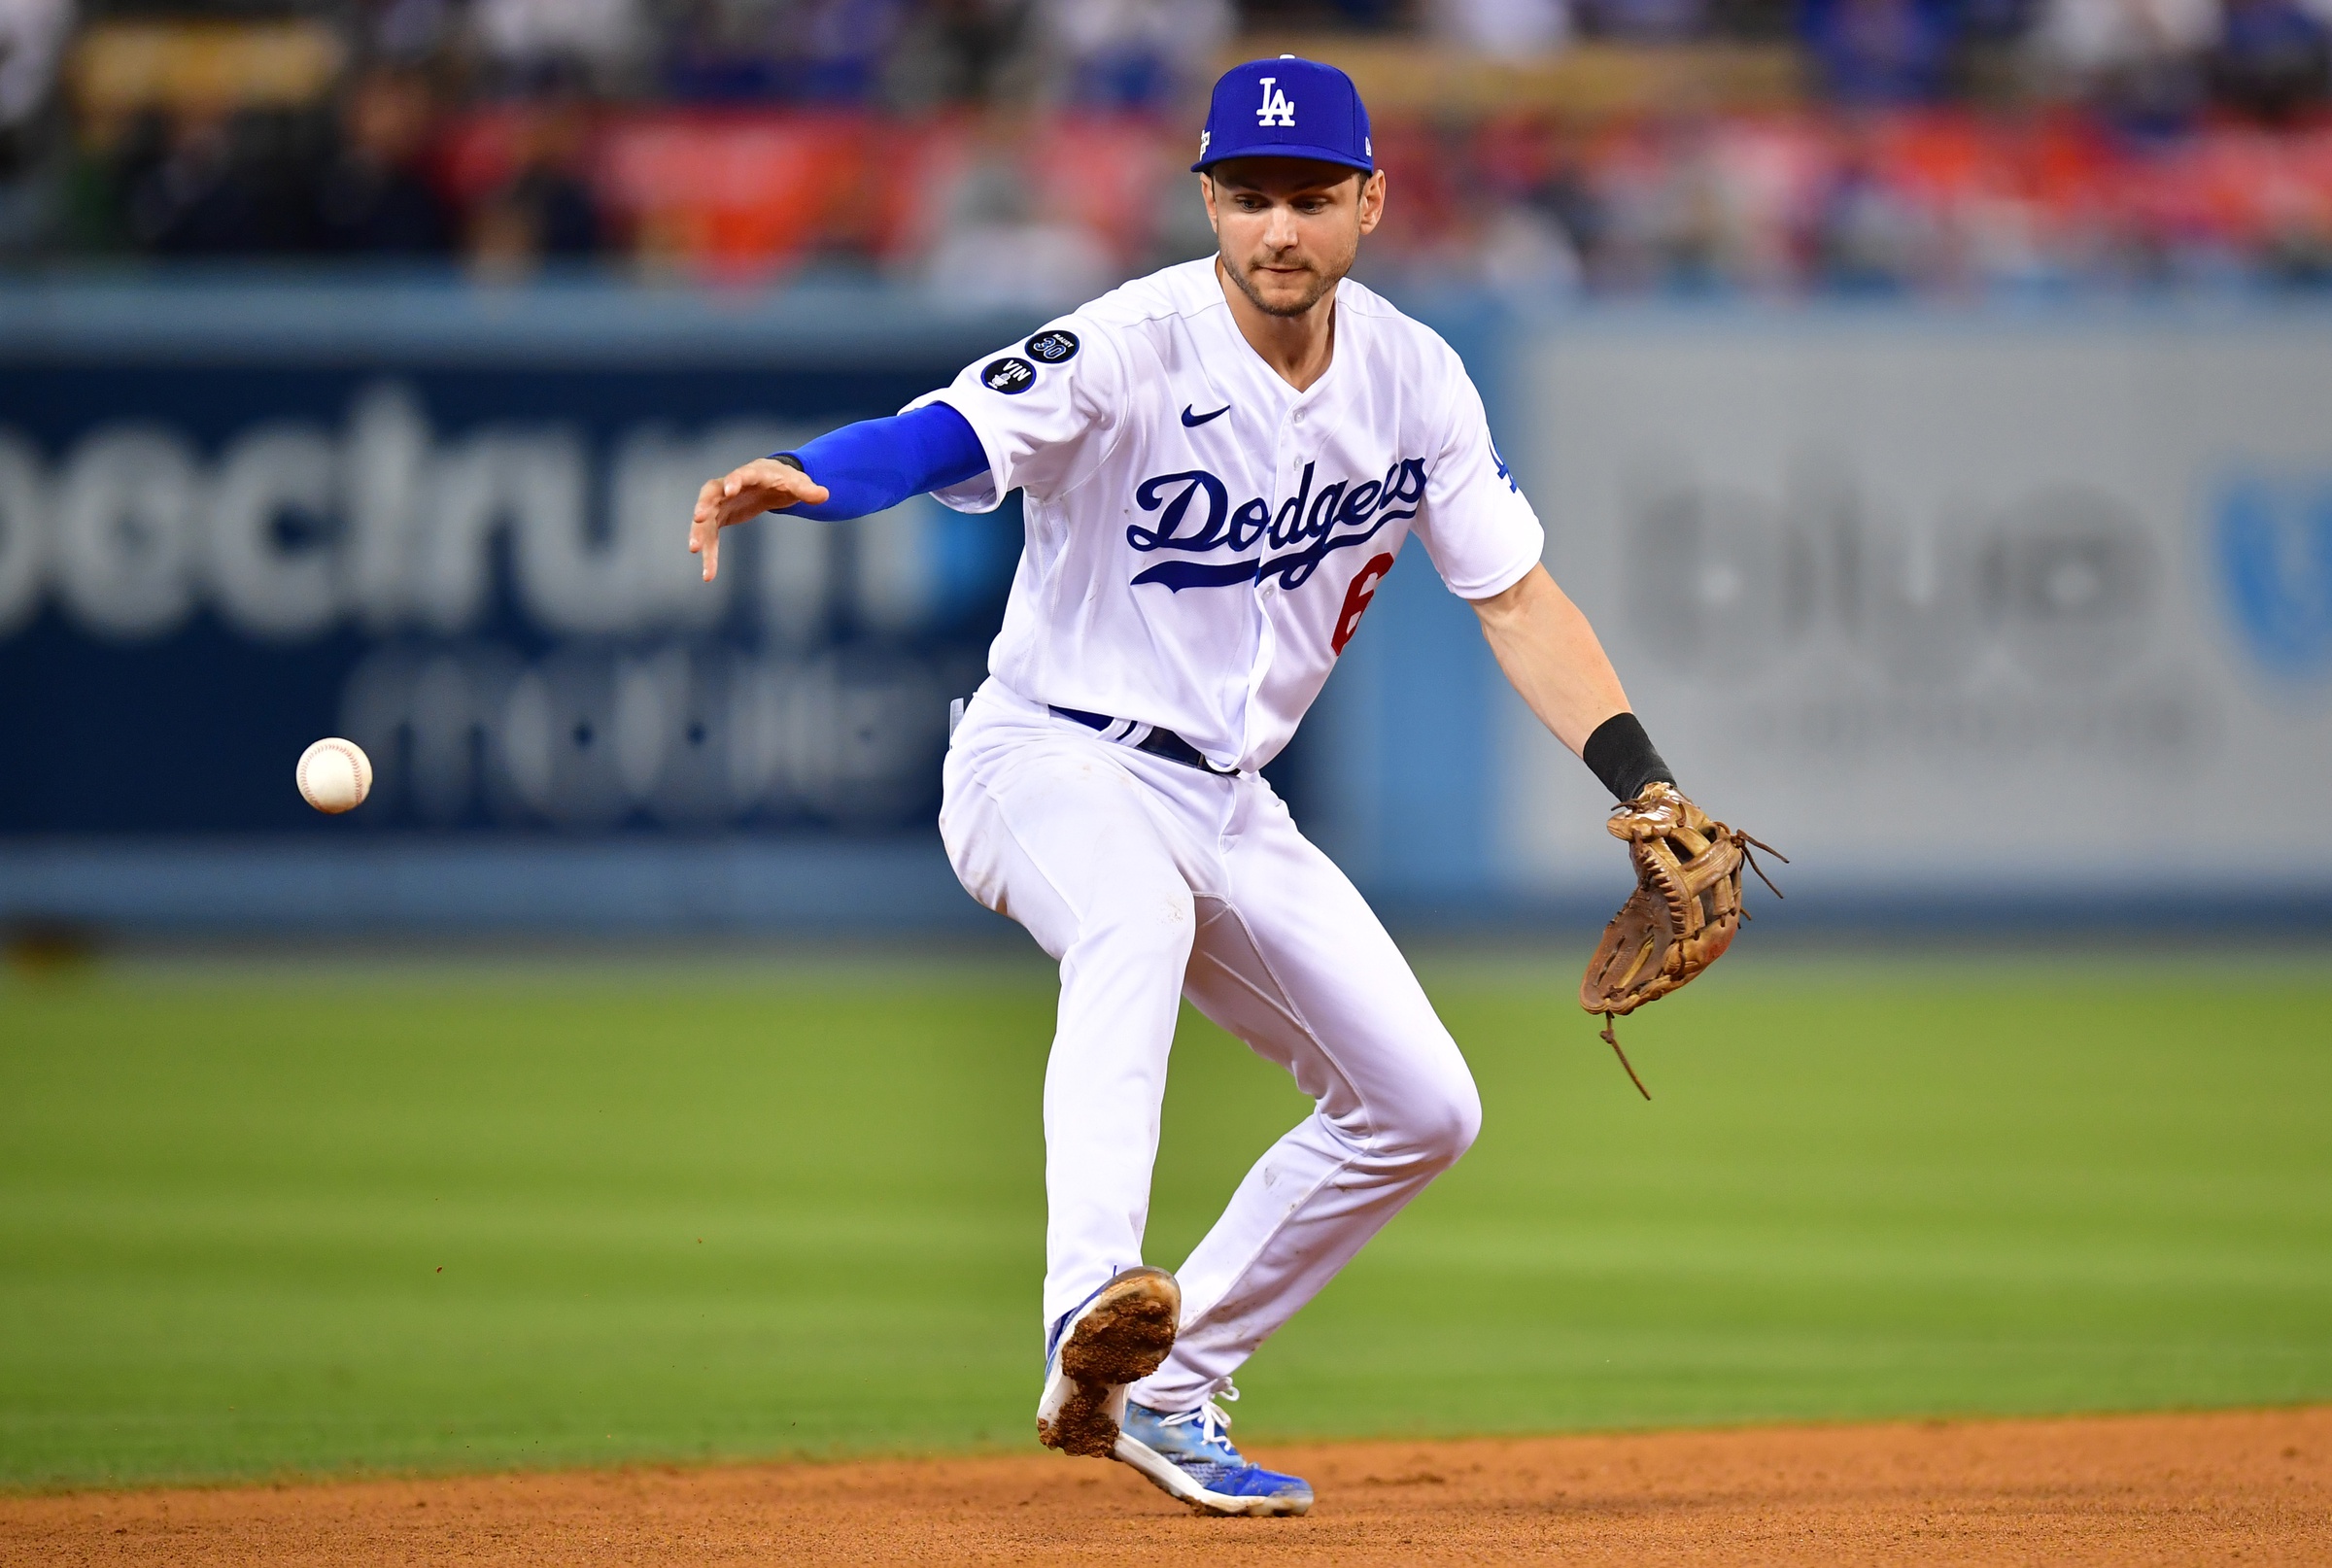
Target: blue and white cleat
{"x":1188,"y":1454}
{"x":1116,"y":1336}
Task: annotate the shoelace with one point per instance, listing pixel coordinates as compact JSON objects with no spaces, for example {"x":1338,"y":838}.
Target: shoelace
{"x":1212,"y":1419}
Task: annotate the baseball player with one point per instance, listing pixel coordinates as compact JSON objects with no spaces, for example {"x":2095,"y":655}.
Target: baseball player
{"x":1219,"y":463}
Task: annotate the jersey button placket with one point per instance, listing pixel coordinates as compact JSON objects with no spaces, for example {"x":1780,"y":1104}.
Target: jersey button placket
{"x":1295,"y":422}
{"x":1292,"y":468}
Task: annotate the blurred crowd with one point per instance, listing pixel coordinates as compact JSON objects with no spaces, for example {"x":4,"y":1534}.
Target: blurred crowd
{"x":1033,"y":150}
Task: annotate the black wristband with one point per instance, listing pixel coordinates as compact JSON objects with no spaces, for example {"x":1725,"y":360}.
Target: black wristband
{"x":789,"y":459}
{"x":1624,"y":758}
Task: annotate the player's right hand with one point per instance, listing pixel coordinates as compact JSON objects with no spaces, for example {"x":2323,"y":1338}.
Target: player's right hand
{"x":764,"y":485}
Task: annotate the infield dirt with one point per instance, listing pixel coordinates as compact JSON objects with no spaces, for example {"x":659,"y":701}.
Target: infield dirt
{"x":2244,"y":1486}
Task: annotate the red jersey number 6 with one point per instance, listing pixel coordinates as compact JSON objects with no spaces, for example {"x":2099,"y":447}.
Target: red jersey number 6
{"x":1355,"y":600}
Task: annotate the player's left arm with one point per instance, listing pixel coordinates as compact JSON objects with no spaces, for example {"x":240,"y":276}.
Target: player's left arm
{"x":1552,"y":657}
{"x":1487,"y":543}
{"x":1554,"y":660}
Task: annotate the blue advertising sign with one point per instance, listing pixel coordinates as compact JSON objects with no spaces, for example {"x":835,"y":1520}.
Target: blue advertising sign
{"x":2273,"y":548}
{"x":469,"y":555}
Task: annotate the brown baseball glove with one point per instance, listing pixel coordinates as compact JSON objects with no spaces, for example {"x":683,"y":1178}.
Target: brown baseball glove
{"x":1684,"y":911}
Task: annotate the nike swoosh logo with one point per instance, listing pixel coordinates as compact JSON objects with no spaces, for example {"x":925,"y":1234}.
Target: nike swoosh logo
{"x":1196,"y":420}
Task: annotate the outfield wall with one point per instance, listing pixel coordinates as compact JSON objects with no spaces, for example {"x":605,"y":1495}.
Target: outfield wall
{"x":1996,"y":607}
{"x":2045,"y":599}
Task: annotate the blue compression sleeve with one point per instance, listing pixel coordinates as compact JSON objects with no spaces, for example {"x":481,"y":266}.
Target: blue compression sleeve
{"x":877,"y":463}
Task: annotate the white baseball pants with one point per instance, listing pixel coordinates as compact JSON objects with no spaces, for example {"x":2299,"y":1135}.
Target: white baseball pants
{"x":1148,"y":881}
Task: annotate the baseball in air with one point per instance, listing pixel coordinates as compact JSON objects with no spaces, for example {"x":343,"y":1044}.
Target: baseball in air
{"x":334,"y":776}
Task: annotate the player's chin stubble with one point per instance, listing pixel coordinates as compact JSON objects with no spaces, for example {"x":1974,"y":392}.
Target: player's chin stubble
{"x":1318,"y":290}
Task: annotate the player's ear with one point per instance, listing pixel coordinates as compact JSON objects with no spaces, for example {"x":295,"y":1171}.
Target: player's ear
{"x":1372,"y":200}
{"x":1206,"y":193}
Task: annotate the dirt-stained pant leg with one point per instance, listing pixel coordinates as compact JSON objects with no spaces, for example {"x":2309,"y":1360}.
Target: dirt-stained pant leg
{"x":1048,"y":827}
{"x":1147,"y":878}
{"x":1290,"y":959}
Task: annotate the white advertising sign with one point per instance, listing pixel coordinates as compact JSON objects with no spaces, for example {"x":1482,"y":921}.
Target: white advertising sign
{"x":1982,"y":605}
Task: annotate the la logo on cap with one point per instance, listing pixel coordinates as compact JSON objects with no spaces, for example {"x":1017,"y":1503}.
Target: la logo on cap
{"x":1277,"y":108}
{"x":1335,"y":133}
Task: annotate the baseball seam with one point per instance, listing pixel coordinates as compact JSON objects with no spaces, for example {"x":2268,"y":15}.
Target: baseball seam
{"x":355,"y":773}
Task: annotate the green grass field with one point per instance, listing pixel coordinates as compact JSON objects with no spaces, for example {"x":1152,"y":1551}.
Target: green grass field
{"x":257,"y":1219}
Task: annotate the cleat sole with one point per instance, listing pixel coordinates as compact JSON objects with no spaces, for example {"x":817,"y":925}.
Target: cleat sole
{"x":1122,"y":1338}
{"x":1163,"y":1474}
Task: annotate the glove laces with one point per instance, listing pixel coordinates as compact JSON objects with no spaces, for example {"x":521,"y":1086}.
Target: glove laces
{"x":1212,"y":1419}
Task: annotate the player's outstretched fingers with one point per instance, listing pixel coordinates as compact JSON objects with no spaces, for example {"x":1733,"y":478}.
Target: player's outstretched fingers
{"x":705,"y":527}
{"x":763,"y":485}
{"x":766,"y":485}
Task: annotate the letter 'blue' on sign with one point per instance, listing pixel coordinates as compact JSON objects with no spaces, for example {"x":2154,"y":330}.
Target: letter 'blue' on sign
{"x":2273,"y":544}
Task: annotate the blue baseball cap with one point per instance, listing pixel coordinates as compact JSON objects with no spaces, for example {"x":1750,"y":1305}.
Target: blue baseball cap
{"x":1286,"y":108}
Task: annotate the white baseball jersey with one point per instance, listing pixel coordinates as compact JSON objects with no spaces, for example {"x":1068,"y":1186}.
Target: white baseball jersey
{"x":1202,"y":538}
